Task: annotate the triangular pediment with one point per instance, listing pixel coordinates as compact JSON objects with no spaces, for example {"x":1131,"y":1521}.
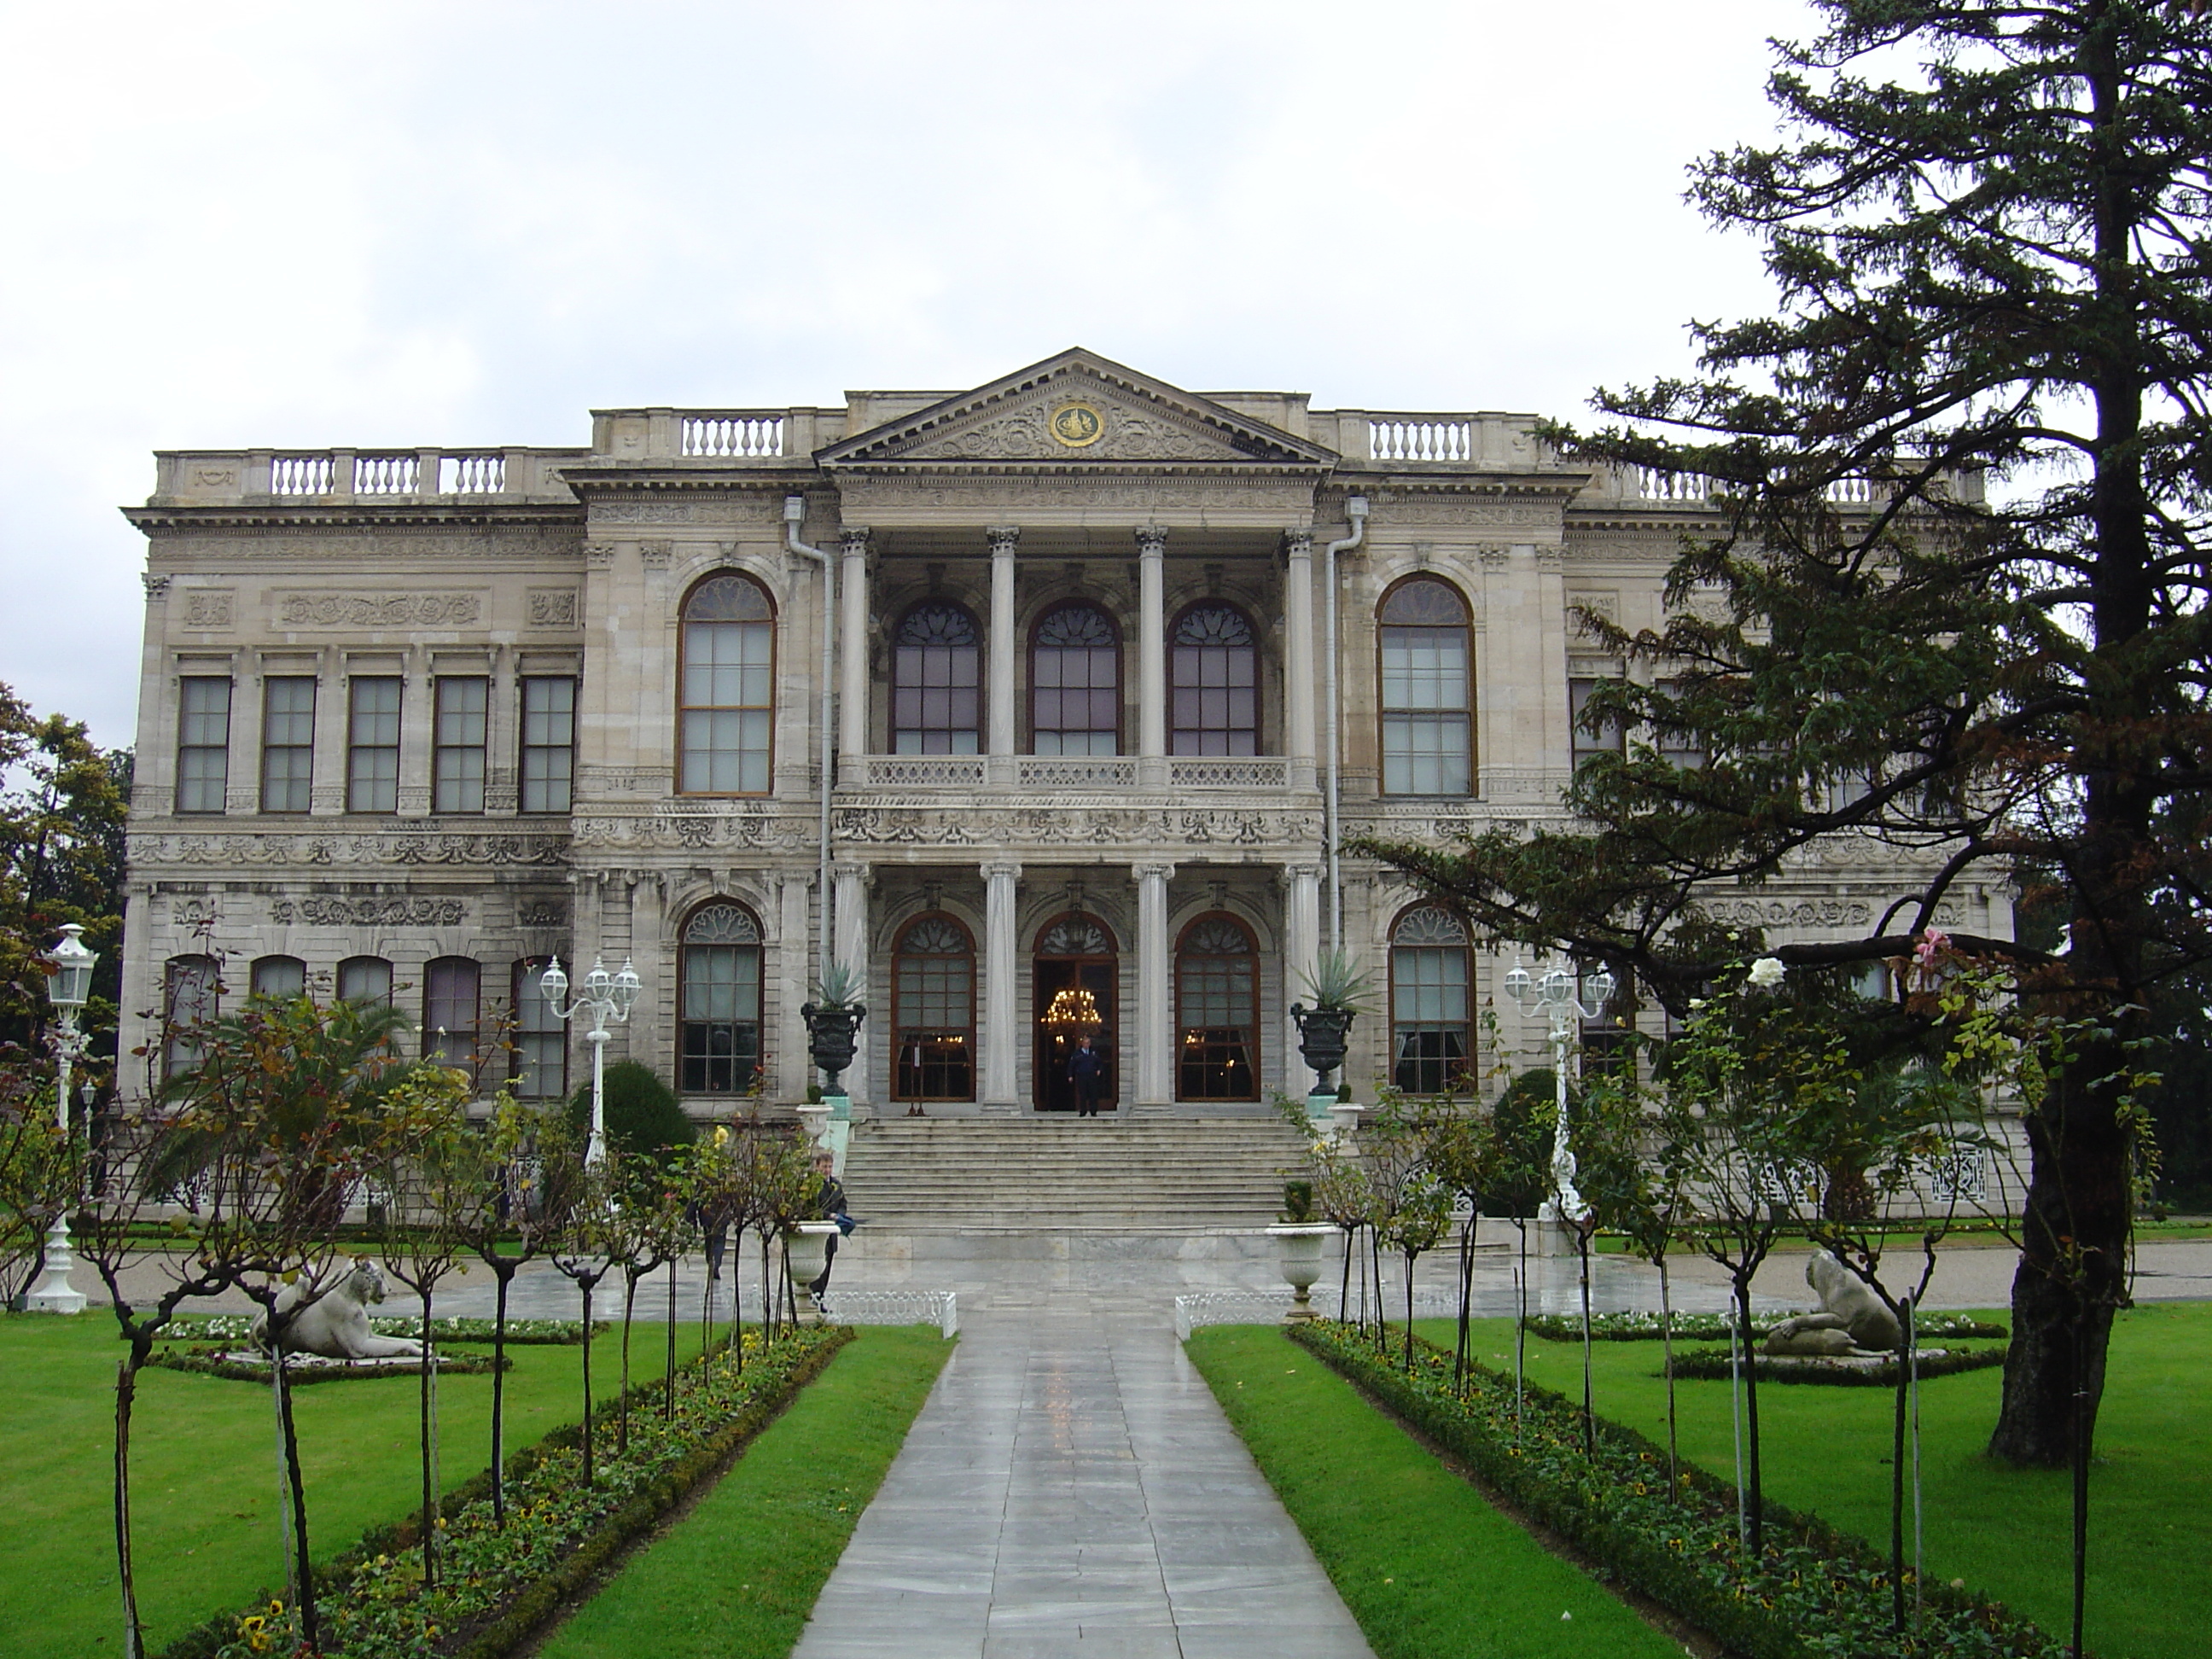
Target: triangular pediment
{"x":1076,"y":410}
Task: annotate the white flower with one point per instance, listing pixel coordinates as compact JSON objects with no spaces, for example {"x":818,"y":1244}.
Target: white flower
{"x":1767,"y":973}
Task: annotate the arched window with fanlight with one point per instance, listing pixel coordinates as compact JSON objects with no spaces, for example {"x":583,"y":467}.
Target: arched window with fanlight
{"x":1075,"y":683}
{"x":1427,"y":714}
{"x":1431,"y":1039}
{"x":1217,"y":1011}
{"x":933,"y":1011}
{"x":728,"y":679}
{"x":936,"y":682}
{"x":719,"y":991}
{"x":1214,"y":668}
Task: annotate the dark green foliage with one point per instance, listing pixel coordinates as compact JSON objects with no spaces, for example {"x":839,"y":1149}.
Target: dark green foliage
{"x":643,"y":1115}
{"x":1519,"y":1167}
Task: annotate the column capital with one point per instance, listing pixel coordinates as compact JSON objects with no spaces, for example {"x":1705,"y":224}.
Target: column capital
{"x":853,"y":538}
{"x":1151,"y":542}
{"x":1004,"y":539}
{"x":1298,"y":543}
{"x":1151,"y":872}
{"x":1001,"y":869}
{"x":1296,"y":872}
{"x":854,"y":870}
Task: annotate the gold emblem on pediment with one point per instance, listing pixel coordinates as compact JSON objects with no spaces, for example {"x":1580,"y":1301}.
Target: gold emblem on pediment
{"x":1076,"y":426}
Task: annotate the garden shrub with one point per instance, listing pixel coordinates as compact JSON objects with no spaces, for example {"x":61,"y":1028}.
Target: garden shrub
{"x":643,"y":1114}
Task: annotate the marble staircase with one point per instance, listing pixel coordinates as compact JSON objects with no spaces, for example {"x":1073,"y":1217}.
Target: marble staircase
{"x":1105,"y":1174}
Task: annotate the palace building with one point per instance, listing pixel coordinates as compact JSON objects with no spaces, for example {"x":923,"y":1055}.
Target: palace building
{"x":1020,"y":701}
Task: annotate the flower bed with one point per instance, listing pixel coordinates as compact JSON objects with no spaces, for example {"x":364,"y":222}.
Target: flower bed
{"x":521,"y":1333}
{"x":498,"y":1585}
{"x":303,"y":1368}
{"x":1814,"y":1593}
{"x":1714,"y":1327}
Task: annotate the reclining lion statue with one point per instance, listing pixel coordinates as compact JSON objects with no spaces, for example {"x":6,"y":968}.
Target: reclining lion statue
{"x":334,"y":1322}
{"x":1851,"y":1320}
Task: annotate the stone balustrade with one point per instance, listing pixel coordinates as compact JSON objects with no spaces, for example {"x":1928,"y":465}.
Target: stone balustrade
{"x":269,"y":477}
{"x":1061,"y":773}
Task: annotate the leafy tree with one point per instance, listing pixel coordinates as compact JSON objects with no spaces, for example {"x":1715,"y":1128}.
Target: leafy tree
{"x":1987,"y":223}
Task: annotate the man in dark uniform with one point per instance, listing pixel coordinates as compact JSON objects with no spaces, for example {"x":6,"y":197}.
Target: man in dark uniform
{"x":1086,"y":1070}
{"x":829,"y":1206}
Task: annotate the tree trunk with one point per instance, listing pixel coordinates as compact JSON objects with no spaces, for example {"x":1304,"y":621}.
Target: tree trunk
{"x":1465,"y":1298}
{"x":584,"y":1287}
{"x":1755,"y":1503}
{"x":1896,"y":1500}
{"x":1666,"y":1339}
{"x":310,"y":1626}
{"x":629,"y":1313}
{"x":126,"y":1394}
{"x":499,"y":1398}
{"x":668,"y":1383}
{"x":429,"y":1471}
{"x":1590,"y":1418}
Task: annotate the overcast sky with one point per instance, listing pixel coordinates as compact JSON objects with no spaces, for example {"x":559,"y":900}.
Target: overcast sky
{"x":470,"y":223}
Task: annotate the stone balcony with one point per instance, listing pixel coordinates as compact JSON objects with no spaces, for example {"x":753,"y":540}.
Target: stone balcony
{"x":341,"y":476}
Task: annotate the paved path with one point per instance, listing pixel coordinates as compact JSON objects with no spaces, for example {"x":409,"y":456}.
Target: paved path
{"x":1070,"y":1488}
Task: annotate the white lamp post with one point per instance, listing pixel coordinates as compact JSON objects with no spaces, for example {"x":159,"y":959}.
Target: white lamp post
{"x":1555,"y":994}
{"x":68,"y":990}
{"x":604,"y":997}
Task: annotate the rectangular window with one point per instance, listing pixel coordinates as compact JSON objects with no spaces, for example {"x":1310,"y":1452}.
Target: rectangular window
{"x":373,"y":745}
{"x":549,"y":745}
{"x":203,"y":745}
{"x":1607,"y":739}
{"x":1426,"y":728}
{"x":458,"y":772}
{"x":288,"y":742}
{"x":1678,"y":749}
{"x":541,"y":1037}
{"x":449,"y":987}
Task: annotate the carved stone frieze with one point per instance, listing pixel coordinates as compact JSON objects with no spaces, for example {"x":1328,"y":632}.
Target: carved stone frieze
{"x":378,"y":611}
{"x":210,"y":607}
{"x":541,"y":913}
{"x":371,"y":910}
{"x":1466,"y":511}
{"x":552,"y":607}
{"x":1790,"y":913}
{"x":644,"y":512}
{"x":343,"y":850}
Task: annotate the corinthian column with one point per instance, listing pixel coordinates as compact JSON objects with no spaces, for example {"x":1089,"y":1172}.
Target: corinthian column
{"x":1301,"y":945}
{"x":851,"y":948}
{"x":853,"y":690}
{"x":1299,"y":656}
{"x":1003,"y":542}
{"x":1152,"y":656}
{"x":1002,"y":1033}
{"x":1155,"y":1057}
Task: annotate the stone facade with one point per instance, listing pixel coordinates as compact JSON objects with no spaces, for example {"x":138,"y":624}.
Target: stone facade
{"x":433,"y":708}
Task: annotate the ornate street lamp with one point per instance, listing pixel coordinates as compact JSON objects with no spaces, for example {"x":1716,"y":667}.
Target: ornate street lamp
{"x":69,"y":989}
{"x":604,"y":997}
{"x":1555,"y":994}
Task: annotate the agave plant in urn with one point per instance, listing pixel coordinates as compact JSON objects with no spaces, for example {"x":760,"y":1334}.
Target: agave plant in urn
{"x":1337,"y":984}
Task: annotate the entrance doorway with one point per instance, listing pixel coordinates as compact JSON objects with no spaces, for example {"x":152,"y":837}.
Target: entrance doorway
{"x":1073,"y":976}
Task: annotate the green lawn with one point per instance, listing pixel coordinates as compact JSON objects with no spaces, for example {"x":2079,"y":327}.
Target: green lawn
{"x":738,"y":1577}
{"x":2005,"y":1531}
{"x":1425,"y":1564}
{"x":204,"y":1473}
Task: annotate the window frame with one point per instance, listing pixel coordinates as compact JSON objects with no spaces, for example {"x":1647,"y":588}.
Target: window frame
{"x":193,"y":783}
{"x":298,"y":783}
{"x":529,"y":992}
{"x":685,"y":709}
{"x":1412,"y":716}
{"x":1119,"y":733}
{"x":527,"y":752}
{"x":904,"y":1028}
{"x":1176,"y":689}
{"x":744,"y":1065}
{"x":977,"y":689}
{"x":1582,"y":745}
{"x":1211,"y":1044}
{"x":438,"y":1033}
{"x":179,"y":1053}
{"x":1410,"y":1073}
{"x":459,"y":793}
{"x":265,"y":969}
{"x":357,"y":750}
{"x":350,"y":967}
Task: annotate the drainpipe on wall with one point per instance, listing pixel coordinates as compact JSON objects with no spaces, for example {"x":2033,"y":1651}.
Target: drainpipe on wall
{"x":1355,"y":509}
{"x":794,"y":515}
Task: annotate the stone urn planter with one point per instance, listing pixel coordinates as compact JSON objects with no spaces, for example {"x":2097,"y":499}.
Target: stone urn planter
{"x":831,"y":1029}
{"x":1298,"y":1253}
{"x":1343,"y":1121}
{"x":814,"y":1118}
{"x":1322,"y":1040}
{"x":807,"y":1247}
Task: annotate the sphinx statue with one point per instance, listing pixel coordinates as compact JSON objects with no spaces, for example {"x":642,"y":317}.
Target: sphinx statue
{"x":1851,"y":1320}
{"x":334,"y":1322}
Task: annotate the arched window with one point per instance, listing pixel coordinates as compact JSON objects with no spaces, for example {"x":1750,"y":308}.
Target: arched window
{"x":933,"y":1011}
{"x":728,"y":679}
{"x":539,"y":1060}
{"x":453,"y":989}
{"x":1075,"y":683}
{"x":1216,"y":682}
{"x":1217,"y":1011}
{"x":365,"y":979}
{"x":1431,"y":1039}
{"x":189,"y":986}
{"x":279,"y":978}
{"x":1425,"y":703}
{"x":936,"y":702}
{"x":719,"y":1047}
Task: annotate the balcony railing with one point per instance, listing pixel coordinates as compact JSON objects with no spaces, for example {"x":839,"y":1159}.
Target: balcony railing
{"x":1059,"y":773}
{"x":731,"y":432}
{"x":203,"y":476}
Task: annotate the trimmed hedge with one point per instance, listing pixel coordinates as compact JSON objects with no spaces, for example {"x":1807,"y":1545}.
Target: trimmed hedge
{"x":1715,"y":1327}
{"x":372,"y":1578}
{"x":521,"y":1333}
{"x":1814,"y":1593}
{"x":212,"y":1362}
{"x":1710,"y":1367}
